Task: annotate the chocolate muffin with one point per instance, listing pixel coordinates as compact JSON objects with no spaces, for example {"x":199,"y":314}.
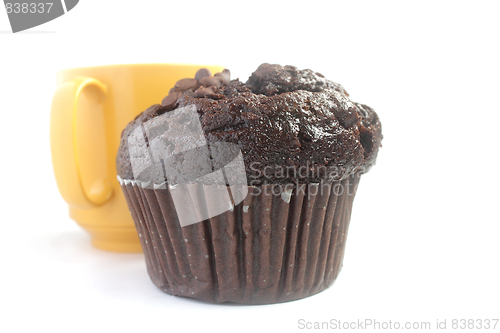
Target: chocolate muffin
{"x":303,"y":145}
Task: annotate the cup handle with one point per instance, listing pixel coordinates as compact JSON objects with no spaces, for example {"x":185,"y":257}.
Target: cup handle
{"x":63,"y":147}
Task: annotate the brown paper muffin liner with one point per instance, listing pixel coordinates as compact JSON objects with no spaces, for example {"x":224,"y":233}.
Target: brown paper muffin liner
{"x":270,"y":248}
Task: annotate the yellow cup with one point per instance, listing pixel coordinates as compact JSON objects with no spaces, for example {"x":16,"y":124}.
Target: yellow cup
{"x":90,"y":108}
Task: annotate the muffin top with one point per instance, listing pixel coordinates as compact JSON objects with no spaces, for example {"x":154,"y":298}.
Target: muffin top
{"x":291,"y":125}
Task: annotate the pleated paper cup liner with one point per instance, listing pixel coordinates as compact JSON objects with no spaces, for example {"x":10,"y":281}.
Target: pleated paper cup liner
{"x":281,"y":243}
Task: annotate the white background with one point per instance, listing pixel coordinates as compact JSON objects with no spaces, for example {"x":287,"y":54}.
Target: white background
{"x":424,"y":239}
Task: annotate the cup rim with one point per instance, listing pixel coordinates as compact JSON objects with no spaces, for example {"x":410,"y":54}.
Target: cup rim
{"x":172,"y":64}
